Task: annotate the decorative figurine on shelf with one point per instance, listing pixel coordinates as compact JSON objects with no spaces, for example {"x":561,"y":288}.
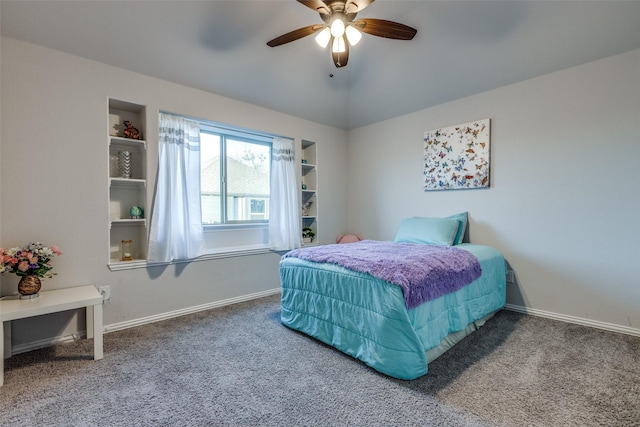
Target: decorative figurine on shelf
{"x":306,"y":208}
{"x":131,"y":132}
{"x":136,"y":212}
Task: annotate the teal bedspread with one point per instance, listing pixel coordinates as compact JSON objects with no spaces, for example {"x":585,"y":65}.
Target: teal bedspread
{"x":366,"y":317}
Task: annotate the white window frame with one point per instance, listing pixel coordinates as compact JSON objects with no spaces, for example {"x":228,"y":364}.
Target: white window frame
{"x":236,"y":236}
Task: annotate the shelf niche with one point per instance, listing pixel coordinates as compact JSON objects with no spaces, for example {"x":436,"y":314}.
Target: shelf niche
{"x":126,"y":192}
{"x":309,"y":188}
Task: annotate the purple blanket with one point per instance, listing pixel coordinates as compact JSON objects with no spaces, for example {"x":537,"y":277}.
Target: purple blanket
{"x":424,"y":272}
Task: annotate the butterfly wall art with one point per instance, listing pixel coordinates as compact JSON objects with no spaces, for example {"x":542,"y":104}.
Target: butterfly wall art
{"x":457,"y":157}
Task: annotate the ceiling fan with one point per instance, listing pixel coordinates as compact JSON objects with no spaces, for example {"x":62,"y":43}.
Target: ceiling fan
{"x":340,"y":30}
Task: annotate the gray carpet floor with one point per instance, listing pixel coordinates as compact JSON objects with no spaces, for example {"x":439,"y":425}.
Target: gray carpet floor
{"x":239,"y":366}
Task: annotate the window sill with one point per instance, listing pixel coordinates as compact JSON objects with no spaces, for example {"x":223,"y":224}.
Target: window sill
{"x":115,"y":265}
{"x":218,"y":254}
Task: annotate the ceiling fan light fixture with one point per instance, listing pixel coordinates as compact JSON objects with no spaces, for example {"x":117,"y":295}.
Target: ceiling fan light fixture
{"x":337,"y":28}
{"x":324,"y":37}
{"x":338,"y":45}
{"x":353,"y":35}
{"x":340,"y":29}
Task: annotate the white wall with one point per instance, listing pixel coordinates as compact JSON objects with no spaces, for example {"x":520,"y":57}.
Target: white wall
{"x":564,"y":203}
{"x":54,"y":181}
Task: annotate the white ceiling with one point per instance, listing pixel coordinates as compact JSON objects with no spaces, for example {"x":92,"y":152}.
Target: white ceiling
{"x":461,"y":48}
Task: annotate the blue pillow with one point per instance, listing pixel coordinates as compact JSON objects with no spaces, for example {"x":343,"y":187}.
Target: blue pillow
{"x":462,"y":226}
{"x":430,"y":231}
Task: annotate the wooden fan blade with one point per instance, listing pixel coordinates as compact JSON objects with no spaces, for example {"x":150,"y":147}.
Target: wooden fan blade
{"x":355,"y":6}
{"x":318,"y":6}
{"x":384,"y":28}
{"x":340,"y":59}
{"x":295,"y":35}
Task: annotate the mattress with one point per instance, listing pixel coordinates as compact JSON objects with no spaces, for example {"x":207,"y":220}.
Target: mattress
{"x":367,"y":318}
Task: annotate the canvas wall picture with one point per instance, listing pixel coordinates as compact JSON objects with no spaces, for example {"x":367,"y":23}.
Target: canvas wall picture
{"x":457,"y":157}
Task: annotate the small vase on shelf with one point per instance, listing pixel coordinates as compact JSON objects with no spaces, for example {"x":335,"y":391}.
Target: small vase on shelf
{"x":29,"y":286}
{"x":124,"y":164}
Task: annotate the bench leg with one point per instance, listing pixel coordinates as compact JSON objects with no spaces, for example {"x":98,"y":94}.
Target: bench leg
{"x":97,"y":332}
{"x":89,"y":321}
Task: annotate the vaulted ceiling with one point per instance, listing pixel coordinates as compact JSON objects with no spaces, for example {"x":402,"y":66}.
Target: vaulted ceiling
{"x":461,"y":48}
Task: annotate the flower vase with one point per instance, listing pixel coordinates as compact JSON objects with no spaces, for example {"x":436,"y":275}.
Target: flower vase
{"x":29,"y":286}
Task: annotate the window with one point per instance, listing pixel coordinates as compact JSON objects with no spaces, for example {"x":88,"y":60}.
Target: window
{"x":235,"y":180}
{"x":230,"y":184}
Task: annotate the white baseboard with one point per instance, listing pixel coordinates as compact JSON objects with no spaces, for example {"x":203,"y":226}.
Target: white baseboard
{"x":576,"y":320}
{"x":35,"y":345}
{"x":176,"y":313}
{"x":43,"y":343}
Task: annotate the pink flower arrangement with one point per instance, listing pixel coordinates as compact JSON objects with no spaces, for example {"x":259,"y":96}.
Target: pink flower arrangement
{"x":33,"y":259}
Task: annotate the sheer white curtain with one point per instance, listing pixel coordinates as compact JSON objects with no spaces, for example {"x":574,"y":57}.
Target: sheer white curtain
{"x":176,"y":222}
{"x":284,"y":208}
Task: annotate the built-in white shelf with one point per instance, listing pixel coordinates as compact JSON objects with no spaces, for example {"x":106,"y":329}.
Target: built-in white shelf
{"x":309,"y":188}
{"x":127,"y":192}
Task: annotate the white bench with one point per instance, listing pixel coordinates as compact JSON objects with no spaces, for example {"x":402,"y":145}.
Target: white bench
{"x":13,"y":308}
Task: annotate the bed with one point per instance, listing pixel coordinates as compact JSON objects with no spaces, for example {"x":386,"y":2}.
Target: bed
{"x":371,"y":319}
